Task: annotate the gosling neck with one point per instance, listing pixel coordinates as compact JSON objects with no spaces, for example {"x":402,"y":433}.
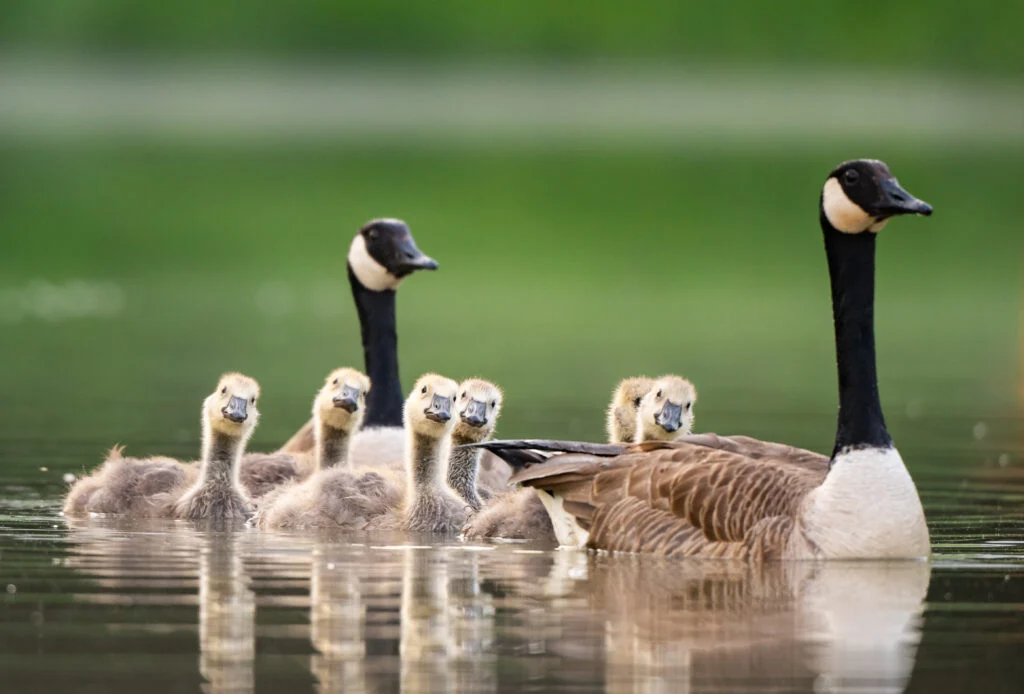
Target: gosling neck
{"x":851,"y":268}
{"x":463,"y":465}
{"x":331,"y":445}
{"x":427,"y":456}
{"x":221,"y":453}
{"x":377,"y":324}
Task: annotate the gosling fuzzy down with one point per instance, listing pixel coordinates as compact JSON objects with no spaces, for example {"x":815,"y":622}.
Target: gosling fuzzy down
{"x":162,"y":487}
{"x":335,"y":496}
{"x":520,"y":514}
{"x":478,"y":404}
{"x":430,"y":505}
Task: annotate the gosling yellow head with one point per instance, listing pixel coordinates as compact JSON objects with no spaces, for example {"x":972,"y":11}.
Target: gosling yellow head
{"x":231,"y":408}
{"x":341,"y":403}
{"x":666,"y":411}
{"x":429,"y":409}
{"x":478,"y":404}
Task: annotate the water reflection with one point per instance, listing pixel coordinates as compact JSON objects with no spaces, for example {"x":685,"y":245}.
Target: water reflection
{"x":227,"y":617}
{"x":826,"y":627}
{"x":337,"y":617}
{"x":157,"y":563}
{"x":458,"y":618}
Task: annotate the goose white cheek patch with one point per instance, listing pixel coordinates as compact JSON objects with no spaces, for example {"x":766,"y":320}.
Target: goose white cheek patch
{"x":368,"y":271}
{"x":844,"y":214}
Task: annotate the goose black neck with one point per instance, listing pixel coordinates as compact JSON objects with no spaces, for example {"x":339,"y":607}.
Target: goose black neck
{"x":851,"y":267}
{"x":380,"y":353}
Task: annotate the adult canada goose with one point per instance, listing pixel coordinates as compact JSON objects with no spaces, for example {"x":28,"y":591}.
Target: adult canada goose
{"x":519,"y":514}
{"x":382,"y":254}
{"x":478,"y":404}
{"x":162,"y":487}
{"x":743,"y":498}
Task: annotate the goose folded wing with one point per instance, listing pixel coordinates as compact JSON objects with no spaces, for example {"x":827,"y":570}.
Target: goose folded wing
{"x":759,"y":450}
{"x":718,"y":492}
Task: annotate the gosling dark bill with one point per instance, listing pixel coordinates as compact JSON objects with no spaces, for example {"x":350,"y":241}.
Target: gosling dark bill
{"x":235,"y":410}
{"x":440,"y":409}
{"x":475,"y":414}
{"x":348,"y":400}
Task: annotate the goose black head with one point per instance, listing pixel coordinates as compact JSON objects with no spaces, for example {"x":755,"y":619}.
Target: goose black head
{"x":862,"y":195}
{"x":384,"y":252}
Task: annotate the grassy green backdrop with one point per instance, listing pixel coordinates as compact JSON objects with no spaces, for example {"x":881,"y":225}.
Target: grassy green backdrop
{"x":562,"y":269}
{"x":942,"y":34}
{"x":560,"y":273}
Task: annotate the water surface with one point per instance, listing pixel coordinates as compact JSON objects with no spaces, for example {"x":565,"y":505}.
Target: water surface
{"x":110,"y":605}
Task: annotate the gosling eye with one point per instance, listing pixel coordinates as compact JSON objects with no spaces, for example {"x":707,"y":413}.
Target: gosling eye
{"x":687,"y":407}
{"x":658,"y":395}
{"x":494,"y":403}
{"x":424,"y":390}
{"x":636,"y":402}
{"x":253,"y":401}
{"x":335,"y":382}
{"x":224,"y":390}
{"x":851,"y":176}
{"x":463,"y":394}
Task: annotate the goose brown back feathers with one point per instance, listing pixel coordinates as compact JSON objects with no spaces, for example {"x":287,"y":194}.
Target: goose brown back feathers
{"x":709,"y":496}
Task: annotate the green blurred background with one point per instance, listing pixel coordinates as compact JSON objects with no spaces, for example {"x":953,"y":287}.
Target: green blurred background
{"x":609,"y":190}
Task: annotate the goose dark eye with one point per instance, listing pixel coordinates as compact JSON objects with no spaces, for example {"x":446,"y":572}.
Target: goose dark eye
{"x":687,"y":406}
{"x":224,"y":390}
{"x":494,"y":403}
{"x":463,"y":394}
{"x":636,"y":402}
{"x":851,"y":176}
{"x":372,"y":233}
{"x":335,"y":382}
{"x":658,"y":395}
{"x":424,"y":390}
{"x":253,"y":401}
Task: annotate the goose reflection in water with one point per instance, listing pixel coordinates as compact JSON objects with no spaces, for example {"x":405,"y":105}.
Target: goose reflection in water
{"x":809,"y":626}
{"x":461,"y":618}
{"x":227,"y":616}
{"x":156,"y":563}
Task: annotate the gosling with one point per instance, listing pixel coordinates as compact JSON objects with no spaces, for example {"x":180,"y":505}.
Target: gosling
{"x":479,"y":406}
{"x":229,"y":419}
{"x":337,"y":415}
{"x":335,"y":495}
{"x":430,"y":504}
{"x":161,"y":487}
